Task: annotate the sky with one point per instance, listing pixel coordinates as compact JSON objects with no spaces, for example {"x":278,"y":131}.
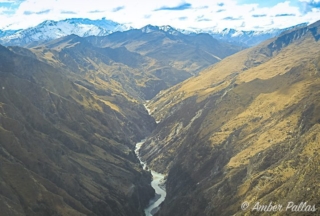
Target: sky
{"x":182,"y":14}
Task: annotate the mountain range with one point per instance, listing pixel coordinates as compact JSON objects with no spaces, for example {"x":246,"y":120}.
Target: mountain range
{"x":224,"y":123}
{"x":71,"y":111}
{"x":49,"y":30}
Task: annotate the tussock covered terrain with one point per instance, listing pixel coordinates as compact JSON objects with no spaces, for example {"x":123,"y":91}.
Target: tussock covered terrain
{"x":63,"y":149}
{"x":245,"y":129}
{"x":134,"y":63}
{"x":70,"y":115}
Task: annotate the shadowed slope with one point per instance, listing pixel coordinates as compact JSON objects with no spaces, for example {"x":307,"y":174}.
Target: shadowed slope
{"x":63,"y":149}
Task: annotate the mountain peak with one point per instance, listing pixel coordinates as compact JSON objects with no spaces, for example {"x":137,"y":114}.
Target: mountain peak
{"x":149,"y":28}
{"x":165,"y":28}
{"x":84,"y":27}
{"x":50,"y":29}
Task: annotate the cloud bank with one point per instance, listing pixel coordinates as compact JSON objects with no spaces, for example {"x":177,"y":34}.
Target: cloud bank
{"x":189,"y":14}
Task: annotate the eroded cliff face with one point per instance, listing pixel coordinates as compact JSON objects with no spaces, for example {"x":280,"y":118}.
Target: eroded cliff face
{"x":246,"y":129}
{"x":64,"y":150}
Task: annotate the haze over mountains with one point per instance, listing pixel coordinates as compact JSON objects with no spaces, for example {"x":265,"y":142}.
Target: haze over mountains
{"x":49,"y":30}
{"x":225,"y":123}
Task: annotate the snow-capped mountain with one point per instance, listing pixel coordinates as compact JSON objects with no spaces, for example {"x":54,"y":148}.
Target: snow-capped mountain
{"x":49,"y":30}
{"x":247,"y":38}
{"x":166,"y":28}
{"x":7,"y":33}
{"x":238,"y":37}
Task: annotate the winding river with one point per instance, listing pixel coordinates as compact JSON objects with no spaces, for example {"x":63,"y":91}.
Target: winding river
{"x":158,"y":184}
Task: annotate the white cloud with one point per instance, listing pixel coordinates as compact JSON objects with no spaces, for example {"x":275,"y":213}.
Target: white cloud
{"x":310,"y":1}
{"x":143,"y":12}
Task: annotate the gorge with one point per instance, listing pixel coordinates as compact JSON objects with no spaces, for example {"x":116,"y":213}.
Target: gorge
{"x":222,"y":125}
{"x":244,"y":130}
{"x":158,"y":184}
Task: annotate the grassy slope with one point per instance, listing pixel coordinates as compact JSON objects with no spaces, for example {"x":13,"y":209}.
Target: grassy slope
{"x":63,"y":150}
{"x":245,"y":129}
{"x":68,"y":123}
{"x":140,"y":65}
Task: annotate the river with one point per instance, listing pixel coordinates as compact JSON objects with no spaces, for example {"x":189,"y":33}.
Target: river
{"x":158,"y":184}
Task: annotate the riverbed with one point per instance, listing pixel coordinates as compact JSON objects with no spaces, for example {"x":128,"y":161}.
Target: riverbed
{"x":158,"y":184}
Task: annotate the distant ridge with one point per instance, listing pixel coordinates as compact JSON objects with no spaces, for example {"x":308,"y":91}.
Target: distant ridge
{"x":49,"y":30}
{"x":83,"y":27}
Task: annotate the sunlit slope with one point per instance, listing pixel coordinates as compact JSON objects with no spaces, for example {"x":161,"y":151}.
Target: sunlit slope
{"x":107,"y":70}
{"x":246,"y":129}
{"x":138,"y":65}
{"x":64,"y":150}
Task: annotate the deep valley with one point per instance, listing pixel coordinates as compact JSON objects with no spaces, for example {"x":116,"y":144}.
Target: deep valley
{"x":221,"y":124}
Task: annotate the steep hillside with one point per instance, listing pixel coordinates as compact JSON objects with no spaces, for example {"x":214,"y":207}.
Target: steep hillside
{"x":245,"y":129}
{"x":131,"y":72}
{"x":105,"y":71}
{"x":65,"y":150}
{"x":70,"y":114}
